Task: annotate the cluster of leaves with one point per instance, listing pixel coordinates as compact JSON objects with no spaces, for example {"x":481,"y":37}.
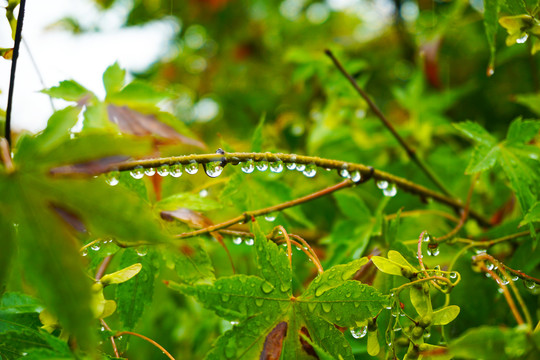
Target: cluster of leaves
{"x":84,"y":264}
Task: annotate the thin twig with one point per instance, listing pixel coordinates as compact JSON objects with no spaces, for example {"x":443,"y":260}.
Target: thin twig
{"x":113,"y":343}
{"x":103,"y":267}
{"x":522,"y":304}
{"x":310,"y":249}
{"x":366,"y":172}
{"x":6,"y":156}
{"x":408,"y":149}
{"x":420,"y":212}
{"x":147,"y":339}
{"x":18,"y":36}
{"x":287,"y":241}
{"x":248,"y":215}
{"x":34,"y":64}
{"x":464,"y":214}
{"x":506,"y":293}
{"x":499,"y":263}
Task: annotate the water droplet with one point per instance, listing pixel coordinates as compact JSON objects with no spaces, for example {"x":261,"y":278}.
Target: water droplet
{"x":149,"y":171}
{"x":300,"y":167}
{"x":84,"y":252}
{"x":141,"y":250}
{"x":356,"y":176}
{"x":213,"y":169}
{"x":259,"y":302}
{"x":137,"y":172}
{"x":531,"y":285}
{"x":276,"y":167}
{"x":427,"y":334}
{"x":490,"y":266}
{"x":102,"y":328}
{"x":382,"y":184}
{"x":250,"y":241}
{"x":267,"y":288}
{"x":176,"y":170}
{"x":453,"y":275}
{"x":433,"y":250}
{"x":500,"y":290}
{"x":310,"y":171}
{"x":192,"y":168}
{"x":262,"y":165}
{"x":426,"y":237}
{"x":225,"y":297}
{"x":522,"y":39}
{"x":112,"y":178}
{"x":291,"y":166}
{"x":270,"y":217}
{"x":390,"y":191}
{"x":480,"y":251}
{"x":237,"y":240}
{"x":96,"y":246}
{"x":203,"y":193}
{"x":324,"y":287}
{"x":163,"y":170}
{"x":515,"y":278}
{"x":312,"y":306}
{"x":344,"y":173}
{"x":490,"y":71}
{"x":285,"y":287}
{"x":248,"y":166}
{"x":327,"y":307}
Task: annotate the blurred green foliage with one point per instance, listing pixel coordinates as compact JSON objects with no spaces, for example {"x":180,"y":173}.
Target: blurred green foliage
{"x":252,"y":76}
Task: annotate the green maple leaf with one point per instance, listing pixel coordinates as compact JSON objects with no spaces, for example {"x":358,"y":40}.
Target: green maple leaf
{"x":36,"y":208}
{"x":273,"y":321}
{"x":519,"y":161}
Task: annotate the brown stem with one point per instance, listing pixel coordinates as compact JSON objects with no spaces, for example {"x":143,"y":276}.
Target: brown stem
{"x":499,"y":263}
{"x":464,"y":214}
{"x":506,"y":293}
{"x":147,"y":339}
{"x":248,"y":215}
{"x":524,"y":308}
{"x":113,"y":343}
{"x":306,"y":244}
{"x":408,"y":149}
{"x":103,"y":267}
{"x":6,"y":156}
{"x":288,"y":242}
{"x":420,"y":212}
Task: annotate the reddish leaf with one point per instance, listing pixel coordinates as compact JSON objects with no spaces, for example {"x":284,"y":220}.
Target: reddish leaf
{"x":133,"y":122}
{"x":305,"y":345}
{"x":274,"y":342}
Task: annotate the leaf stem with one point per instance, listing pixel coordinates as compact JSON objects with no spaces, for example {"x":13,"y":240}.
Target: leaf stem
{"x":408,"y":149}
{"x":147,"y":339}
{"x":249,"y":215}
{"x":113,"y":343}
{"x":366,"y":172}
{"x":18,"y":37}
{"x":6,"y":156}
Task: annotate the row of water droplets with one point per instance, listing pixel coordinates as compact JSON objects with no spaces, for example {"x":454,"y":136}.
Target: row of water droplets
{"x":529,"y":284}
{"x":102,"y":244}
{"x":277,"y":166}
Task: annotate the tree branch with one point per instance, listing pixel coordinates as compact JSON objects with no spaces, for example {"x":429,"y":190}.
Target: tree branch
{"x":408,"y":149}
{"x":18,"y":37}
{"x":234,"y":158}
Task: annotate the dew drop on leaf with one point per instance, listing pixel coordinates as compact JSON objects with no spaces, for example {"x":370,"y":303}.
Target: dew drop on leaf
{"x":356,"y":176}
{"x":250,"y":241}
{"x":225,"y":297}
{"x":433,"y":250}
{"x":137,"y":172}
{"x":149,"y":171}
{"x":270,"y":217}
{"x":213,"y":169}
{"x":522,"y":39}
{"x":96,"y":246}
{"x":141,"y":250}
{"x":203,"y":193}
{"x":248,"y":166}
{"x":276,"y":167}
{"x":176,"y":170}
{"x":163,"y":170}
{"x":390,"y":191}
{"x":259,"y":302}
{"x":310,"y":170}
{"x":237,"y":240}
{"x":382,"y":184}
{"x":312,"y":306}
{"x":267,"y":288}
{"x":327,"y":307}
{"x":192,"y":168}
{"x":112,"y":178}
{"x":262,"y":165}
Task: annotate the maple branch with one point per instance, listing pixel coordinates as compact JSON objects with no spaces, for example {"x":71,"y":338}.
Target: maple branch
{"x":506,"y":293}
{"x":235,"y":158}
{"x":408,"y":149}
{"x":16,"y":46}
{"x":499,"y":264}
{"x":113,"y":343}
{"x":250,"y":215}
{"x":147,"y":339}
